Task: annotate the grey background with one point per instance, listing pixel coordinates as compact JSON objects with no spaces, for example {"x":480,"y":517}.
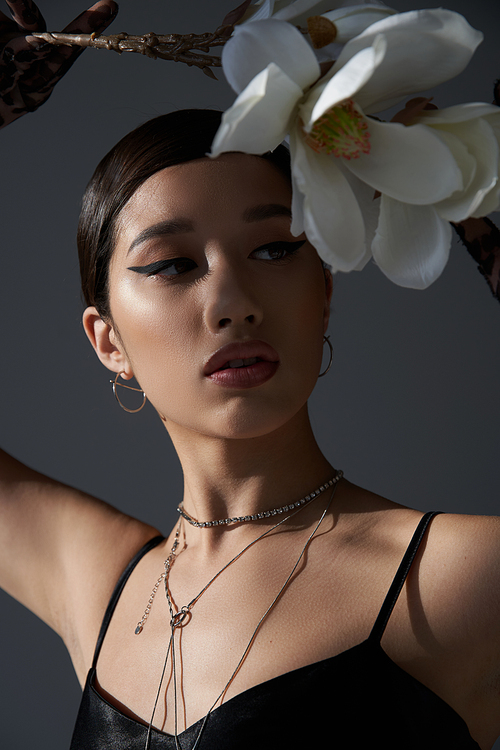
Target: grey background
{"x":411,"y":409}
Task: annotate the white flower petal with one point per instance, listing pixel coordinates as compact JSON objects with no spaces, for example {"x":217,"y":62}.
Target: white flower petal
{"x":258,"y":120}
{"x":411,"y":164}
{"x":477,"y":139}
{"x":490,"y":203}
{"x":424,"y":48}
{"x":258,"y":10}
{"x":465,"y":161}
{"x":344,"y":84}
{"x":255,"y":45}
{"x":370,"y":209}
{"x":333,"y":221}
{"x":412,"y":243}
{"x":458,"y":113}
{"x":462,"y":113}
{"x":351,"y":21}
{"x":297,"y":225}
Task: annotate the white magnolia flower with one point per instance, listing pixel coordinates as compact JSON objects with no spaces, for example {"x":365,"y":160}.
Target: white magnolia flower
{"x":472,"y":133}
{"x":347,"y":19}
{"x":340,"y":157}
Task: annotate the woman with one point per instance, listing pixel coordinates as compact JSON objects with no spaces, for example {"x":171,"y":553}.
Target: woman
{"x":199,"y":290}
{"x":245,"y":443}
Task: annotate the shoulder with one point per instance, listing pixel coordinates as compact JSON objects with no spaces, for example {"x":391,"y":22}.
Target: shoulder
{"x":456,"y":574}
{"x":455,"y":579}
{"x":464,"y":546}
{"x":62,"y":552}
{"x":454,"y":610}
{"x":462,"y":561}
{"x":59,"y":546}
{"x":445,"y":627}
{"x":450,"y":610}
{"x":467,"y":548}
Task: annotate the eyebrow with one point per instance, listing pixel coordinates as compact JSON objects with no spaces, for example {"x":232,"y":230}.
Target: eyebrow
{"x":162,"y":229}
{"x":181,"y":225}
{"x":266,"y":211}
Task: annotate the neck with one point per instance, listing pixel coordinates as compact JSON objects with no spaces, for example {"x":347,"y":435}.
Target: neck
{"x":236,"y":477}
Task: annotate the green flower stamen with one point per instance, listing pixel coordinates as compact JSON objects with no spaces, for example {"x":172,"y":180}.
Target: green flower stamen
{"x":341,"y":131}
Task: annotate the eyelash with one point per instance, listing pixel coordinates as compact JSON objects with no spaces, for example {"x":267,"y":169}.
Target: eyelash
{"x":153,"y":269}
{"x":162,"y":265}
{"x":290,"y":248}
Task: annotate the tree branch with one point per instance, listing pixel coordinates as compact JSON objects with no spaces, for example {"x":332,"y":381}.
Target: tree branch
{"x":191,"y":49}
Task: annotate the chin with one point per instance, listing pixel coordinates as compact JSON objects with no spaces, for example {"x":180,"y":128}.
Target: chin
{"x":231,"y":423}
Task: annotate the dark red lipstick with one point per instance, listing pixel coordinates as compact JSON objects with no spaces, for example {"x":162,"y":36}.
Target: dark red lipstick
{"x":242,"y":365}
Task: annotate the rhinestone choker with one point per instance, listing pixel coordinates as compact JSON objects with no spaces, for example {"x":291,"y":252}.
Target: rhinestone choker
{"x":263,"y":514}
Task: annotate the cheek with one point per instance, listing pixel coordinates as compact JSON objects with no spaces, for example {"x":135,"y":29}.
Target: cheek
{"x":156,"y":336}
{"x":305,"y":308}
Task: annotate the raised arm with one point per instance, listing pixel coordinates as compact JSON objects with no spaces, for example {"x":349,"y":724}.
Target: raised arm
{"x":61,"y":552}
{"x":29,"y":70}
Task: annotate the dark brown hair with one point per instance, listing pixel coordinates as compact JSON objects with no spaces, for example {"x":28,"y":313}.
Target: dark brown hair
{"x":162,"y":142}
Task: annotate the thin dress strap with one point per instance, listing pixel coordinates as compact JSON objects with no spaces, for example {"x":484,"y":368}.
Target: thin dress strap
{"x":400,"y":577}
{"x":118,"y":590}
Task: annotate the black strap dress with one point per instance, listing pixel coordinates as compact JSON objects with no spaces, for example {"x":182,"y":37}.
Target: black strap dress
{"x":357,"y":700}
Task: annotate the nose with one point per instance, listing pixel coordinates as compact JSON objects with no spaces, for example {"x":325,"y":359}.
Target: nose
{"x":232,"y":299}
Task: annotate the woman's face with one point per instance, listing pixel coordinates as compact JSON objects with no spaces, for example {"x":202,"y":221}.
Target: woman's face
{"x":205,"y":265}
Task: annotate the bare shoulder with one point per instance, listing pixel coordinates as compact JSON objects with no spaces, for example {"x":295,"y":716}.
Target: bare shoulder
{"x":462,"y":557}
{"x":453,"y":603}
{"x":453,"y":591}
{"x":444,"y":629}
{"x":457,"y":570}
{"x":476,"y":538}
{"x":469,"y":540}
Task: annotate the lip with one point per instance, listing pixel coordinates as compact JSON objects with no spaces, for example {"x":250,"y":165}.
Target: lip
{"x":242,"y":377}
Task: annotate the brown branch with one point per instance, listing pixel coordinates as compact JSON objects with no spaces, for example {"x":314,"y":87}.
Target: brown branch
{"x":191,"y":49}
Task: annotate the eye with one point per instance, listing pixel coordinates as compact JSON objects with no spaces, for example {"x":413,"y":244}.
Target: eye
{"x":169,"y":268}
{"x":277,"y":250}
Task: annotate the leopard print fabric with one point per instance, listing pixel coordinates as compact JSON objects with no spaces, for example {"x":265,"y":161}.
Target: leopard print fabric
{"x":30,"y":69}
{"x":481,"y":237}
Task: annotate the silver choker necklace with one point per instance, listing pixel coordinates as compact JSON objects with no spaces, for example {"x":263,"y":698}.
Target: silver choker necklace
{"x":263,"y":514}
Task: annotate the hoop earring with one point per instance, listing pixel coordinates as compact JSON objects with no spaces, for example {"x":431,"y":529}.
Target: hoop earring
{"x":327,"y":339}
{"x":129,"y":388}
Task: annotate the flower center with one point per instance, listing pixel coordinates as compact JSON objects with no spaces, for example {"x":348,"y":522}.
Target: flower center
{"x":341,"y":131}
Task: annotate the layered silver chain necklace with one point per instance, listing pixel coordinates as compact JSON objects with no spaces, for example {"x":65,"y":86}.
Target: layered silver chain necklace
{"x":180,"y":617}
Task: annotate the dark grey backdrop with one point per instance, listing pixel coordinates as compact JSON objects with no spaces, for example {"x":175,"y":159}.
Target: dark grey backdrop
{"x":411,"y":409}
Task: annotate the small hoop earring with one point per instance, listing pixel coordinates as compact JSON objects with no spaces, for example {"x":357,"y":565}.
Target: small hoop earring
{"x":129,"y":388}
{"x":327,"y":339}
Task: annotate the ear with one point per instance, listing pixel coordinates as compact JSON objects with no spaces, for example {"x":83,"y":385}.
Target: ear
{"x":328,"y":297}
{"x":106,"y":343}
